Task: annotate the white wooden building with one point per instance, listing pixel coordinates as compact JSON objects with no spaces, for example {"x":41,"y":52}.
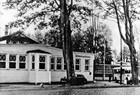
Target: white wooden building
{"x":27,"y":61}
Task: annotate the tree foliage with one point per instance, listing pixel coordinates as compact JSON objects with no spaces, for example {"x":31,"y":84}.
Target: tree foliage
{"x":51,"y":38}
{"x":78,"y":42}
{"x":126,"y":54}
{"x":46,"y":13}
{"x":98,"y":40}
{"x":83,"y":41}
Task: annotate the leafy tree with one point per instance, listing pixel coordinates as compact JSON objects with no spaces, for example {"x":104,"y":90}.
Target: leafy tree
{"x":78,"y":42}
{"x":58,"y":14}
{"x":39,"y":37}
{"x":114,"y":55}
{"x":82,"y":41}
{"x":53,"y":38}
{"x":126,"y":54}
{"x":103,"y":41}
{"x":108,"y":56}
{"x":125,"y":12}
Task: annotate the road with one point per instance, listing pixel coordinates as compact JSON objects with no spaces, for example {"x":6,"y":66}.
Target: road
{"x":70,"y":91}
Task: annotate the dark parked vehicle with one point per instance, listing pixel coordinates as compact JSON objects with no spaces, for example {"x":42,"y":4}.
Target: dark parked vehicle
{"x":79,"y":79}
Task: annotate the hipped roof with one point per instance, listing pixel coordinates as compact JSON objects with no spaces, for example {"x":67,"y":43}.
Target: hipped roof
{"x":18,"y":36}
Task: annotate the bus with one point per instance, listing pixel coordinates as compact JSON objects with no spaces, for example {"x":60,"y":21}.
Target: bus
{"x":126,"y":73}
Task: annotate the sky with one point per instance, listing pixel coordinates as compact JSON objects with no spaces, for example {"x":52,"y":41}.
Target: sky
{"x":8,"y":15}
{"x":115,"y":34}
{"x":5,"y":17}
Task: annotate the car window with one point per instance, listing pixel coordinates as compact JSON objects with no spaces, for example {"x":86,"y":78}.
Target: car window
{"x":80,"y":76}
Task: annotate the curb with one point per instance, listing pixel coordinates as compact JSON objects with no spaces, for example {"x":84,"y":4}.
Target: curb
{"x":57,"y":87}
{"x":90,"y":87}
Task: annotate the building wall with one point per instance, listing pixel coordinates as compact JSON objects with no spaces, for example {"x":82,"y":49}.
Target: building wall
{"x":13,"y":76}
{"x":89,"y":74}
{"x":56,"y":75}
{"x":43,"y":76}
{"x":35,"y":76}
{"x":32,"y":77}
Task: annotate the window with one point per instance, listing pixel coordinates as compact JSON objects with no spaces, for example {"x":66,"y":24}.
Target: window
{"x":59,"y":62}
{"x":65,"y":66}
{"x":2,"y":60}
{"x":86,"y":64}
{"x":77,"y":64}
{"x":52,"y":63}
{"x":42,"y":61}
{"x":33,"y":61}
{"x":12,"y":61}
{"x":22,"y":61}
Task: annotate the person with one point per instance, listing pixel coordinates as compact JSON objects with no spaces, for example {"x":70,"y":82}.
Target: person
{"x":110,"y":78}
{"x":127,"y":80}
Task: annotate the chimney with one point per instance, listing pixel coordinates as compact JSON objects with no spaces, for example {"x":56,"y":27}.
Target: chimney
{"x":6,"y":30}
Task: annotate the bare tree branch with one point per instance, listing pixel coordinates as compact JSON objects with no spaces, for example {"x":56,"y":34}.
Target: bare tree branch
{"x":56,"y":3}
{"x":126,"y":20}
{"x":118,"y":21}
{"x":70,"y":7}
{"x":130,"y":22}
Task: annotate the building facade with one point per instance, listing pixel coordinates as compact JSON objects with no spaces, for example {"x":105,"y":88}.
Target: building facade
{"x":36,"y":63}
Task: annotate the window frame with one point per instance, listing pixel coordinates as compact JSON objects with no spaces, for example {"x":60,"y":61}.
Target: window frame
{"x":52,"y":63}
{"x":15,"y":62}
{"x":3,"y":61}
{"x":78,"y":64}
{"x":65,"y":66}
{"x":23,"y":62}
{"x":58,"y":63}
{"x":42,"y":63}
{"x":87,"y":65}
{"x":32,"y":62}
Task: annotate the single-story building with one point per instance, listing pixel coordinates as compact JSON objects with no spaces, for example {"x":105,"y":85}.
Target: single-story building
{"x":24,"y":60}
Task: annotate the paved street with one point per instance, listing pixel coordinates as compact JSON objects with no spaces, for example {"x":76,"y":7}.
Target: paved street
{"x":67,"y":91}
{"x":99,"y":88}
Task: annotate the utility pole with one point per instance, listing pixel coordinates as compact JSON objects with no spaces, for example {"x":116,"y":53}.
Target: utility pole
{"x":104,"y":61}
{"x":120,"y":61}
{"x":94,"y":24}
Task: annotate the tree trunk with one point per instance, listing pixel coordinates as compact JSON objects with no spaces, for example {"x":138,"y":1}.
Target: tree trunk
{"x":134,"y":65}
{"x":67,"y":44}
{"x":69,"y":55}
